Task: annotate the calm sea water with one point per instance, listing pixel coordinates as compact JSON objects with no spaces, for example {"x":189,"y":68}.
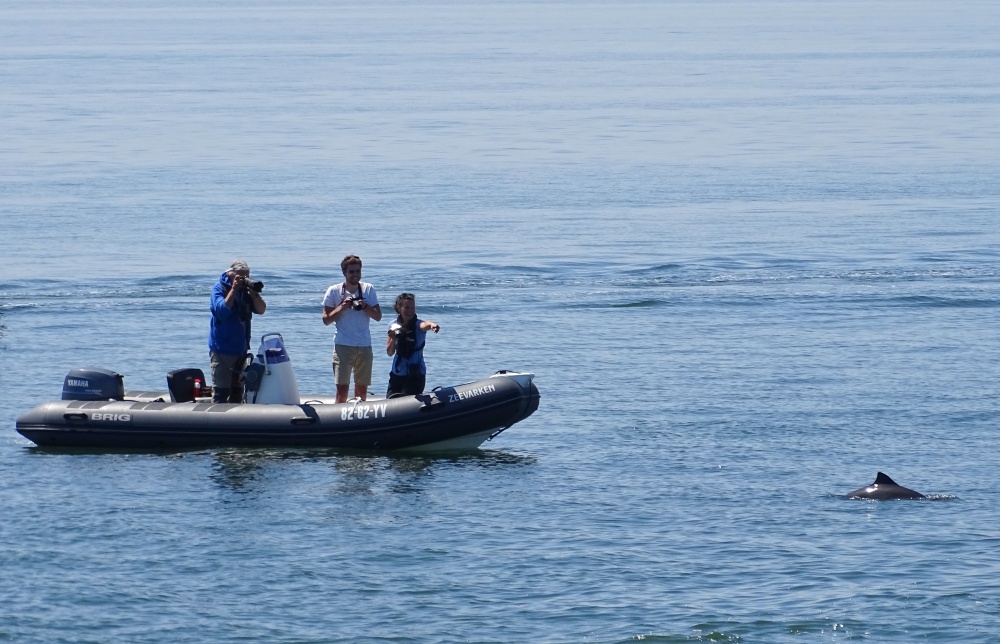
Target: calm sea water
{"x":749,"y":249}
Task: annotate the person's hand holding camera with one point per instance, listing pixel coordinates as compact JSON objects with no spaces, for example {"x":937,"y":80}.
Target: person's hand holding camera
{"x":355,"y":302}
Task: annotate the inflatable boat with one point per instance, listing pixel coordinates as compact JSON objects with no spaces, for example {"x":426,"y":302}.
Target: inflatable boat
{"x":97,"y":412}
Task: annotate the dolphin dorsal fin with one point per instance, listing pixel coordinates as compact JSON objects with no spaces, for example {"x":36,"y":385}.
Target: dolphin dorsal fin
{"x":883,"y":479}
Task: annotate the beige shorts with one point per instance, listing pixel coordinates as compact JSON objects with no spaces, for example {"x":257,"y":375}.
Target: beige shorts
{"x":352,"y":359}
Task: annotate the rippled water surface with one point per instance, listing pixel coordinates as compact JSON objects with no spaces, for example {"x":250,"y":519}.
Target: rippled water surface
{"x":750,"y":251}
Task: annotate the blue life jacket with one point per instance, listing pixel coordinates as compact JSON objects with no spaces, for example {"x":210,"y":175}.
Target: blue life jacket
{"x":409,"y":357}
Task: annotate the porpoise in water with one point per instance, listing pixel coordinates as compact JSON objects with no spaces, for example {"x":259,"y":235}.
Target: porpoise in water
{"x":885,"y":489}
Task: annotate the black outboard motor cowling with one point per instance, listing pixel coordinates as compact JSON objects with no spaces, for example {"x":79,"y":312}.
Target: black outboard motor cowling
{"x":93,"y":383}
{"x":180,"y":383}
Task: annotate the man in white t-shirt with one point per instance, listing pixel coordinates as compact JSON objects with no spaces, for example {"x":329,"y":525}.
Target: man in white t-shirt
{"x":352,"y":305}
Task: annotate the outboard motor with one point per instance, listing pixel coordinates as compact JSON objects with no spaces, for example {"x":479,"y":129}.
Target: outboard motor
{"x":181,"y":384}
{"x":270,"y":379}
{"x":93,"y":383}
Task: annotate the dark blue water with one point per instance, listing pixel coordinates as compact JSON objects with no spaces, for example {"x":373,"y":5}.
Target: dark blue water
{"x":750,"y":251}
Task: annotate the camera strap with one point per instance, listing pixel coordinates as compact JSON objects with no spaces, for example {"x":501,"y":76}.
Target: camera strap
{"x":344,"y":293}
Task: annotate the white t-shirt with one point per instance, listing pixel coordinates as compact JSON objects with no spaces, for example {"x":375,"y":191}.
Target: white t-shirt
{"x":352,"y":326}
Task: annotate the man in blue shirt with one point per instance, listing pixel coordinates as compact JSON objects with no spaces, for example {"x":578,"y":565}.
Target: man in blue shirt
{"x":235,"y":298}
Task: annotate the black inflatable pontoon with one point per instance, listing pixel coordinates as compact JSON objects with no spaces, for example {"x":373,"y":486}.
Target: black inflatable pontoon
{"x":97,"y":412}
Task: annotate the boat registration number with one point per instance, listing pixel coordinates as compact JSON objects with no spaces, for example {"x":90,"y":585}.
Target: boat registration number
{"x":361,"y":412}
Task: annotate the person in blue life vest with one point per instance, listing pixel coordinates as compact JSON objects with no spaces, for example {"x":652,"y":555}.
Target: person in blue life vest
{"x":405,"y":343}
{"x":351,"y":305}
{"x":235,"y":299}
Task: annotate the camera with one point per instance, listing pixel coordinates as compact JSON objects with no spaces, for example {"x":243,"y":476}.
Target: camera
{"x":247,"y":283}
{"x":357,"y":303}
{"x":396,"y":330}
